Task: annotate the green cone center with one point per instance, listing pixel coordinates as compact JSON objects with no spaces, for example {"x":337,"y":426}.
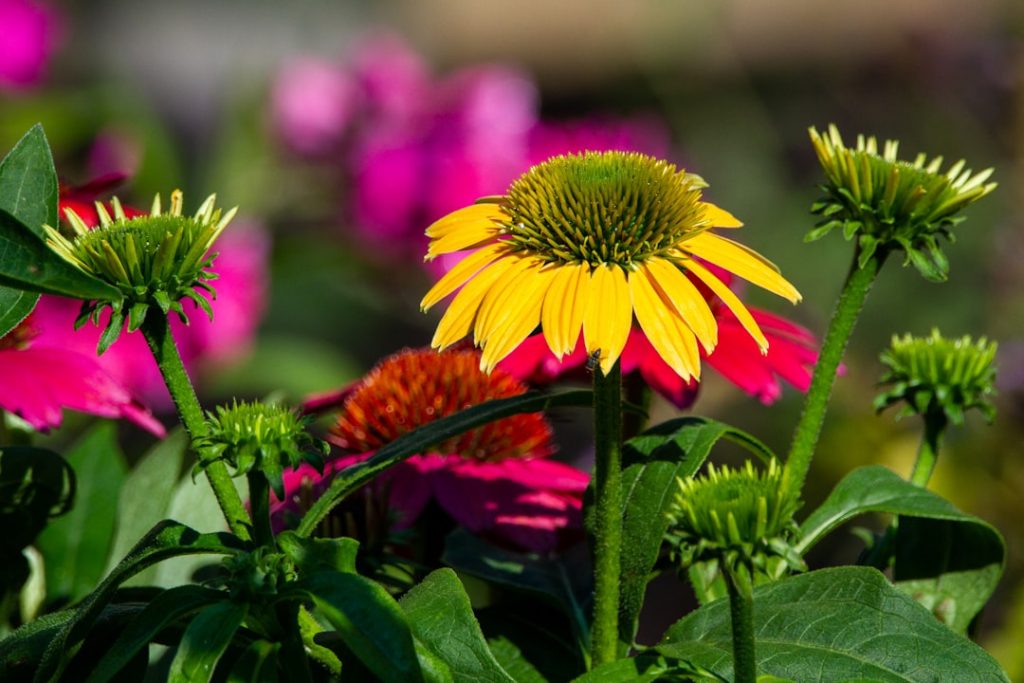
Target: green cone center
{"x":603,"y":207}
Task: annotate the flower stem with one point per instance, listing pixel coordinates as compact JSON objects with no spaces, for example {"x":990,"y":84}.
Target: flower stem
{"x":934,"y":426}
{"x":158,"y":335}
{"x":604,"y":637}
{"x":844,"y":318}
{"x":259,"y":499}
{"x":741,"y":611}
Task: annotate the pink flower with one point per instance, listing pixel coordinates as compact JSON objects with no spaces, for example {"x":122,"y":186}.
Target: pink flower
{"x":643,"y":133}
{"x":494,"y":480}
{"x":39,"y":381}
{"x":28,"y":36}
{"x":313,"y":102}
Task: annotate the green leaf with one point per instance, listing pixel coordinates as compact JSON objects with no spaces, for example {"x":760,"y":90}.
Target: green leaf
{"x":145,"y":497}
{"x":27,"y":262}
{"x":28,"y":182}
{"x":655,"y":459}
{"x":163,"y":610}
{"x":954,"y":562}
{"x":77,"y":544}
{"x":511,"y":659}
{"x":441,"y":618}
{"x":204,"y":642}
{"x":313,"y":554}
{"x":165,"y":540}
{"x":565,"y":583}
{"x":15,"y":305}
{"x":841,"y":624}
{"x":369,"y":621}
{"x":420,"y":440}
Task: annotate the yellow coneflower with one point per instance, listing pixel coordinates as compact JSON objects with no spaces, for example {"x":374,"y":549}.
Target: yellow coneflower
{"x":588,"y":241}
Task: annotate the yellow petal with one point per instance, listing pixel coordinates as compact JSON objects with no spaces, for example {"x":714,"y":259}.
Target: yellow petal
{"x":731,"y":301}
{"x":457,"y":321}
{"x":689,"y":303}
{"x":741,"y":260}
{"x":524,"y":315}
{"x":475,"y":213}
{"x":468,"y":236}
{"x":562,"y":313}
{"x":720,"y":218}
{"x":462,"y":271}
{"x":497,"y":306}
{"x":608,"y":315}
{"x":663,"y":327}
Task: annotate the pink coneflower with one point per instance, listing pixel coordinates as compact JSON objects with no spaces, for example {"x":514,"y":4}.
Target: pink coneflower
{"x":39,"y":381}
{"x":494,"y":480}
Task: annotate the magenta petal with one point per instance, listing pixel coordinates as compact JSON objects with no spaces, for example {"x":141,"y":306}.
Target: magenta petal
{"x":39,"y":382}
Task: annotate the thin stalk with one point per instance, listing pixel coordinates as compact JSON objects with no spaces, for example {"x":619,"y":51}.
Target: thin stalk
{"x":158,"y":335}
{"x":741,"y":611}
{"x":604,"y":637}
{"x":259,"y":500}
{"x":934,"y":427}
{"x":844,"y":318}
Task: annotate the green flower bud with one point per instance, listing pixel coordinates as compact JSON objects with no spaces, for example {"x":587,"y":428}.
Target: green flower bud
{"x":259,"y":576}
{"x":889,"y":204}
{"x":257,"y":436}
{"x":741,"y":517}
{"x":156,"y":259}
{"x":937,"y":375}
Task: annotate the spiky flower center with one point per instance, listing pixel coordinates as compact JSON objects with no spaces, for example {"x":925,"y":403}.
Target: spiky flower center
{"x":415,"y":387}
{"x":603,"y":207}
{"x":734,"y":509}
{"x":249,"y":435}
{"x":938,"y":374}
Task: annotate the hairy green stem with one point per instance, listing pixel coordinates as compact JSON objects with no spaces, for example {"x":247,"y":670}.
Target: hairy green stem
{"x":741,"y":611}
{"x":259,"y":500}
{"x":934,"y":426}
{"x":844,"y":318}
{"x":604,"y":636}
{"x":158,"y":335}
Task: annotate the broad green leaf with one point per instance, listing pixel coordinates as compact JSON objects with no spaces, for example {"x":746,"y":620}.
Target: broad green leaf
{"x":369,"y":621}
{"x":421,"y":439}
{"x":441,"y":618}
{"x":949,"y":560}
{"x":193,"y":503}
{"x":843,"y":624}
{"x":511,"y":659}
{"x":258,"y":664}
{"x":312,"y":554}
{"x":204,"y":641}
{"x":676,"y":448}
{"x":529,"y":642}
{"x":163,"y":610}
{"x":146,"y":497}
{"x":27,"y":262}
{"x":565,"y":583}
{"x":646,"y":668}
{"x":165,"y":540}
{"x":76,"y":545}
{"x":28,"y":182}
{"x":15,"y":305}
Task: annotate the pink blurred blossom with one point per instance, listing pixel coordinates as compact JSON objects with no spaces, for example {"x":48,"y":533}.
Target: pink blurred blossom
{"x":313,"y":101}
{"x":29,"y":32}
{"x":40,"y":380}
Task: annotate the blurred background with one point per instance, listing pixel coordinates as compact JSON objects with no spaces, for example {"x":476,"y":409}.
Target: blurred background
{"x":343,"y":129}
